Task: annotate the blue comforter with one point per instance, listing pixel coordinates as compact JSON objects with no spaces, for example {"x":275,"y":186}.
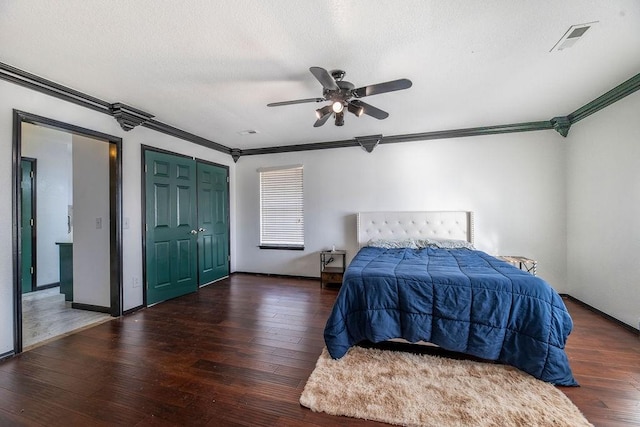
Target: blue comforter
{"x":459,"y":299}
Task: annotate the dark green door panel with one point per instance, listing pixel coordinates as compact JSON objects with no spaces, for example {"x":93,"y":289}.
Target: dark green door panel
{"x":171,"y":229}
{"x":213,"y":222}
{"x":27,"y":225}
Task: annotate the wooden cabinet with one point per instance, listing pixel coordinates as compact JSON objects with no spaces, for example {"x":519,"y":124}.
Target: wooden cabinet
{"x":332,"y":266}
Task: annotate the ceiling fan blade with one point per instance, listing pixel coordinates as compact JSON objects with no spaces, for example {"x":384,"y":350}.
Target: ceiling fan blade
{"x":324,"y":78}
{"x":296,"y":101}
{"x":382,"y":88}
{"x":322,"y":120}
{"x":370,"y":110}
{"x":354,"y":108}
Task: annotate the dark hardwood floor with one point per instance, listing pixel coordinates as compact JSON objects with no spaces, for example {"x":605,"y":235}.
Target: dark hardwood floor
{"x":239,"y":353}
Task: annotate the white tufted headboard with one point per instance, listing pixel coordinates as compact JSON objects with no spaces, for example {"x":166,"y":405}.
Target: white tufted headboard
{"x":420,"y":225}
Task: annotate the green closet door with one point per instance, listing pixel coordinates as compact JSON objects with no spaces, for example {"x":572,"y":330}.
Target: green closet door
{"x":213,"y":222}
{"x":171,"y":239}
{"x":26,"y":224}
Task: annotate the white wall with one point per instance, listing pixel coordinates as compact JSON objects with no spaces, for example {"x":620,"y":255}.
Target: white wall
{"x":52,"y":149}
{"x":514,"y":183}
{"x":603,"y":210}
{"x":91,"y":243}
{"x":16,"y":97}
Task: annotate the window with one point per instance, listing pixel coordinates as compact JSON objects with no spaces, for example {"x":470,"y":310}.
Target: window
{"x":281,"y":208}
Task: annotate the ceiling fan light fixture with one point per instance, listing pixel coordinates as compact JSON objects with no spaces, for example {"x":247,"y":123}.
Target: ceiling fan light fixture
{"x":339,"y":94}
{"x":321,"y":112}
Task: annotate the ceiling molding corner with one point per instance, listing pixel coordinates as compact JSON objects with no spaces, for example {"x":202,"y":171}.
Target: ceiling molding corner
{"x":129,"y":117}
{"x":561,"y":124}
{"x":368,"y":143}
{"x":235,"y":154}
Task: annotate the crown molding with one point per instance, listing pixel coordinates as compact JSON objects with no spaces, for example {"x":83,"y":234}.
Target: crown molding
{"x":368,"y":143}
{"x":475,"y":131}
{"x":129,"y":117}
{"x":410,"y":137}
{"x":181,"y":134}
{"x":617,"y":93}
{"x":37,"y":83}
{"x":299,"y":147}
{"x":561,"y":124}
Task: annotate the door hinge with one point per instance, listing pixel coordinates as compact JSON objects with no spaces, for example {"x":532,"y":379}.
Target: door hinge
{"x":31,"y":269}
{"x":145,"y":168}
{"x":228,"y":258}
{"x":31,"y":174}
{"x":227,"y":179}
{"x":31,"y":221}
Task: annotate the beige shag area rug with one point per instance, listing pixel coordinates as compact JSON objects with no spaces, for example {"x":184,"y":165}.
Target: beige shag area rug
{"x":422,"y":390}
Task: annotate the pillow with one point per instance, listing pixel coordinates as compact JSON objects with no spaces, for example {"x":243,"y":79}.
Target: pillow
{"x":444,"y":244}
{"x":392,"y":243}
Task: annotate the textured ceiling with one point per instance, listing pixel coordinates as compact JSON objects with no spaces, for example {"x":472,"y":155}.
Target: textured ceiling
{"x":211,"y":67}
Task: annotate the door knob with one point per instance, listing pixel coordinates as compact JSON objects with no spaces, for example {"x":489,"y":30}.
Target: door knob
{"x":202,"y":229}
{"x":194,"y":232}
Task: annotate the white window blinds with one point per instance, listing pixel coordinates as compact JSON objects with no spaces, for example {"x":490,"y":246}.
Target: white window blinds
{"x":281,"y":207}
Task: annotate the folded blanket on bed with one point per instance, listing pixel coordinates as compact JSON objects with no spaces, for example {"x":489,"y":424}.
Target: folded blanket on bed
{"x":460,"y":299}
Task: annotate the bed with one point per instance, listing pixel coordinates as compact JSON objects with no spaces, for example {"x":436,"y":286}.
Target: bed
{"x":418,"y":278}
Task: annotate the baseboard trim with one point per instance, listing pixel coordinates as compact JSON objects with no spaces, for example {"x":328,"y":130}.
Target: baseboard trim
{"x":213,"y":281}
{"x":132,"y":310}
{"x":284,"y":276}
{"x":601,"y":313}
{"x":7,"y":355}
{"x":48,"y":286}
{"x":89,"y":307}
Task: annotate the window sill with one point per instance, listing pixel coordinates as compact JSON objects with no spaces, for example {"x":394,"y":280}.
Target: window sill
{"x":283,"y":247}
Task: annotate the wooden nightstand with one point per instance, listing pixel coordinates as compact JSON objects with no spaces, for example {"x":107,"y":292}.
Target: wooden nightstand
{"x":523,"y":263}
{"x":332,"y":265}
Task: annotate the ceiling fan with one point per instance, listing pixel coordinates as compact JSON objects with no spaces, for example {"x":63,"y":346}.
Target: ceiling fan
{"x":341,"y":92}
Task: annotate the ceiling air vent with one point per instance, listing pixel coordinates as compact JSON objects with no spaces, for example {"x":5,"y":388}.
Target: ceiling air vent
{"x":571,"y":37}
{"x":248,"y":132}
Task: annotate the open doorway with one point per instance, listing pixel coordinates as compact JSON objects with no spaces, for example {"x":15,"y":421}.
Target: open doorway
{"x":67,"y":240}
